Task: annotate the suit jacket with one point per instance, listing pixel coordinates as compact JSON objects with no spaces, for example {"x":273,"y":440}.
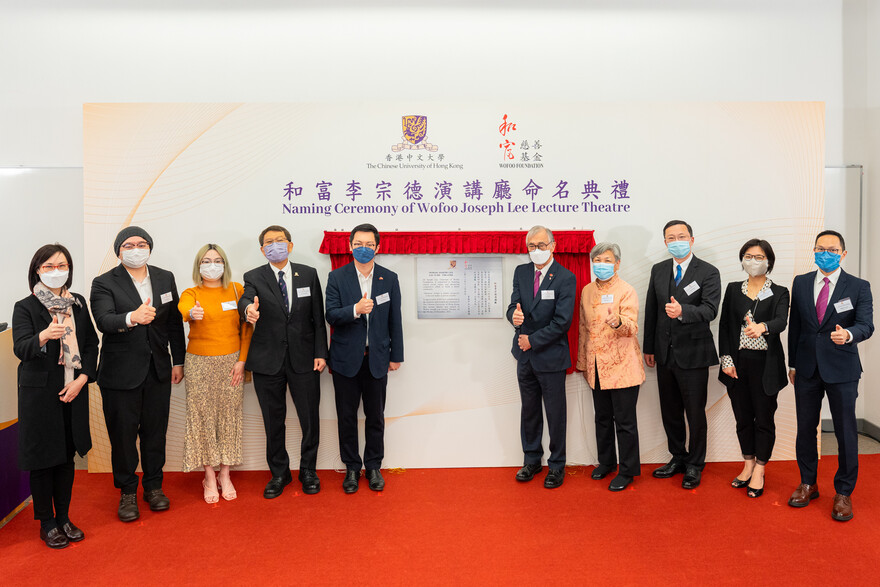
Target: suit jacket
{"x":299,"y":333}
{"x":41,"y":437}
{"x":546,"y":319}
{"x":773,"y":312}
{"x":690,"y":337}
{"x":809,"y":343}
{"x":349,"y":337}
{"x":126,"y":352}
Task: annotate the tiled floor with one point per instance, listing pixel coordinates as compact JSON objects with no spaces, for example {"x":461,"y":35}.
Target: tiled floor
{"x":867,"y":445}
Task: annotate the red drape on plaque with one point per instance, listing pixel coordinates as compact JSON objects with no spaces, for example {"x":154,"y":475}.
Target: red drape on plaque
{"x":572,"y":251}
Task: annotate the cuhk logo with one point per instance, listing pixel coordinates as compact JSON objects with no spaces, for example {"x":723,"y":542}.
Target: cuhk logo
{"x":415,"y":129}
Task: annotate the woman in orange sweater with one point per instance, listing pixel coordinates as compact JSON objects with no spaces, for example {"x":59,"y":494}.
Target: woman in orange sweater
{"x":214,"y":367}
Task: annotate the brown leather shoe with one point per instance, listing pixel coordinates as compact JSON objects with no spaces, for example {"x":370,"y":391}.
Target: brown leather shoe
{"x":803,"y":495}
{"x":842,"y":510}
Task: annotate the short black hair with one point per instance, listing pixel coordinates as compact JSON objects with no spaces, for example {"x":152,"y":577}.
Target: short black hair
{"x":274,"y":228}
{"x":832,"y":233}
{"x":364,"y":228}
{"x":765,"y":246}
{"x":42,"y":255}
{"x":674,"y":222}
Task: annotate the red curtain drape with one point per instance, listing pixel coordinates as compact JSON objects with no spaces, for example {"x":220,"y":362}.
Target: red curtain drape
{"x":572,"y":251}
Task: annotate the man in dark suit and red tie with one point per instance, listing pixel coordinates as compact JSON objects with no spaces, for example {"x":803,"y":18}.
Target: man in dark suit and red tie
{"x":363,"y":307}
{"x":285,"y":304}
{"x":831,"y":312}
{"x":541,"y":310}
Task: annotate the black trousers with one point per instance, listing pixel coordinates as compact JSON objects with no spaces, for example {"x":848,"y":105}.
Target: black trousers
{"x":54,"y":485}
{"x":808,"y":393}
{"x":349,"y":391}
{"x":616,"y":409}
{"x":142,"y":413}
{"x":305,"y":389}
{"x":683,"y":394}
{"x":536,"y":387}
{"x":753,"y":409}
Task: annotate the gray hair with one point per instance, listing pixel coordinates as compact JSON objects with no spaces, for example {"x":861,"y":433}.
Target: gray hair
{"x":604,"y":247}
{"x":536,"y":229}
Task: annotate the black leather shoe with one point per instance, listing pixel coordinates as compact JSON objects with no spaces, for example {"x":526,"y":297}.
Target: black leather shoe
{"x":128,"y":507}
{"x":157,"y":500}
{"x":276,"y":485}
{"x":620,"y":483}
{"x":602,"y":471}
{"x":54,"y":538}
{"x":374,"y":476}
{"x":73,"y":533}
{"x":311,"y":483}
{"x":691,"y":478}
{"x":528,"y":472}
{"x":350,"y":484}
{"x":554,"y":478}
{"x":669,"y":469}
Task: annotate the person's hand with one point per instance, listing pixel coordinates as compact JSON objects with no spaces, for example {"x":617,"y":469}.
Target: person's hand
{"x":52,"y":332}
{"x":144,"y":314}
{"x":393,"y":366}
{"x":69,"y":392}
{"x":197,"y":312}
{"x":319,"y":365}
{"x":252,"y":312}
{"x":612,"y":320}
{"x":518,"y":316}
{"x":364,"y":305}
{"x":177,"y":374}
{"x":730,"y":372}
{"x":649,"y":360}
{"x":673,"y":308}
{"x":840,"y":335}
{"x":237,"y":373}
{"x":754,"y":330}
{"x":524,"y":343}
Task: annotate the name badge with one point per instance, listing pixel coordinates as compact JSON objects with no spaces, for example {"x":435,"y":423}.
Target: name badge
{"x":607,"y":298}
{"x":764,"y":294}
{"x":383,"y":298}
{"x":548,"y":294}
{"x":691,"y":287}
{"x":303,"y":292}
{"x":844,"y":305}
{"x":165,"y":297}
{"x":233,"y":305}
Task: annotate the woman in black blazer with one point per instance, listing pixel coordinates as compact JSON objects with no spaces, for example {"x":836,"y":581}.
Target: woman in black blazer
{"x":56,"y":342}
{"x":753,"y":314}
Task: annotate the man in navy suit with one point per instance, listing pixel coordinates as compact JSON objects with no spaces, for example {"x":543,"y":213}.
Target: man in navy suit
{"x":831,"y":312}
{"x":363,"y":307}
{"x":541,"y":309}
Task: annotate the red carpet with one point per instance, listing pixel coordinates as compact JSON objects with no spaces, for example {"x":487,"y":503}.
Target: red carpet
{"x":463,"y":526}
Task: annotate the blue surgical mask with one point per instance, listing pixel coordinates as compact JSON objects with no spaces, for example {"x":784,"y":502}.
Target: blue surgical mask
{"x":679,"y":249}
{"x":603,"y":271}
{"x":276,"y":252}
{"x":363,"y":254}
{"x":827,"y":261}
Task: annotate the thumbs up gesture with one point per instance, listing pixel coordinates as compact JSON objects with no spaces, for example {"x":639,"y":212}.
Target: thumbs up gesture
{"x":518,"y":316}
{"x":612,"y":319}
{"x":198,"y":312}
{"x":144,"y":314}
{"x":253,"y":311}
{"x":753,"y":330}
{"x":54,"y":331}
{"x":673,"y":308}
{"x":840,"y":335}
{"x":364,"y":305}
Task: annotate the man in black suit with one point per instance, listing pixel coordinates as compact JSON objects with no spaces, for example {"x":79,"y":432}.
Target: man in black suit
{"x":831,"y":312}
{"x":541,"y":310}
{"x":135,"y":307}
{"x":285,"y":304}
{"x":683,"y":298}
{"x":363,"y":307}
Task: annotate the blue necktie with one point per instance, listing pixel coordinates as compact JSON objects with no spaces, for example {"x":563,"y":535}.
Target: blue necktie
{"x":677,"y":274}
{"x":283,"y":287}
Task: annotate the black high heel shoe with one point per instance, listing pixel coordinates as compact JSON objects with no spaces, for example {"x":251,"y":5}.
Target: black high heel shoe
{"x":755,"y":492}
{"x":739,"y":484}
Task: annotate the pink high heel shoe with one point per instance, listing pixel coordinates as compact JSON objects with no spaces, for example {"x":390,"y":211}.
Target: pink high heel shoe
{"x":228,"y":489}
{"x":211,"y":495}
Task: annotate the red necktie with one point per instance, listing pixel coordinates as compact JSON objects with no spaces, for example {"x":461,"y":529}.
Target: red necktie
{"x":822,"y":301}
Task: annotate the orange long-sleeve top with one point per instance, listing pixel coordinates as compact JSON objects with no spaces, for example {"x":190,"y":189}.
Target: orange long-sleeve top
{"x":220,"y":332}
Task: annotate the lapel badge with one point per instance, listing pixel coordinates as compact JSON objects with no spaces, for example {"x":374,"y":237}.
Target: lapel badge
{"x":295,"y":274}
{"x":550,"y":276}
{"x":381,"y":278}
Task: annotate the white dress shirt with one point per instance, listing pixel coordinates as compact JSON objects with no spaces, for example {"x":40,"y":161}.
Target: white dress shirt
{"x":544,"y":271}
{"x":145,"y":291}
{"x":684,"y":265}
{"x":832,"y":283}
{"x":288,"y":281}
{"x":366,"y":284}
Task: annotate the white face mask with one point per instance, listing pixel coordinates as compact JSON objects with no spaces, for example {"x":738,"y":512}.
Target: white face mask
{"x":211,"y":270}
{"x":135,"y":258}
{"x":540,"y":257}
{"x":54,"y":279}
{"x":755,"y":268}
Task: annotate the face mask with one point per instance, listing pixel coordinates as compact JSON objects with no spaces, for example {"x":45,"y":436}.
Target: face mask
{"x":827,"y":261}
{"x":212,"y":270}
{"x":679,"y":249}
{"x":363,"y":254}
{"x":135,"y":258}
{"x":540,"y":257}
{"x":276,"y":252}
{"x":755,"y":268}
{"x":603,"y":271}
{"x":54,"y":279}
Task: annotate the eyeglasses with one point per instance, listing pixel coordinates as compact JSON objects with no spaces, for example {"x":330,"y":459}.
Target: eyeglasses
{"x":280,"y":239}
{"x":754,"y":257}
{"x":540,"y":246}
{"x":681,"y":237}
{"x":140,"y":245}
{"x":368,"y":245}
{"x":823,"y":250}
{"x":209,"y":261}
{"x":49,"y":267}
